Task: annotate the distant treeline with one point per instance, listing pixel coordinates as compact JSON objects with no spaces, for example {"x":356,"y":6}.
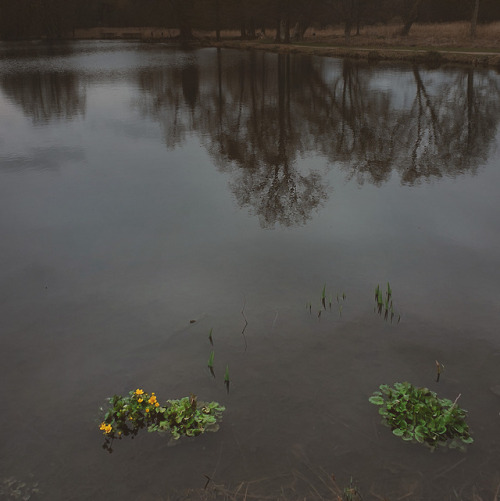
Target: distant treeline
{"x":25,"y":19}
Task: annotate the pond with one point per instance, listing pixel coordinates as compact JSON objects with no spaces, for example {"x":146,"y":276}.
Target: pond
{"x":150,"y":195}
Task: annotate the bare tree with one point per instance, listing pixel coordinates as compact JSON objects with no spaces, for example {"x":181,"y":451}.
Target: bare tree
{"x":410,"y":17}
{"x":473,"y":22}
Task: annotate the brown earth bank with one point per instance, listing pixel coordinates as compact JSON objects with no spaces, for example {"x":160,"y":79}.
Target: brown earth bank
{"x":431,"y":43}
{"x":434,"y":44}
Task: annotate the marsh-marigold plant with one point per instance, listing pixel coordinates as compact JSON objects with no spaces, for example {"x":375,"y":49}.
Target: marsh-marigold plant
{"x":417,"y":414}
{"x":127,"y":415}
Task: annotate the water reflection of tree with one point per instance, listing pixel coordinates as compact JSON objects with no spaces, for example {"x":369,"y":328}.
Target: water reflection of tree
{"x":352,"y":124}
{"x":450,"y":132}
{"x":170,"y":97}
{"x":46,"y":96}
{"x":248,"y":126}
{"x":257,"y":113}
{"x":260,"y":145}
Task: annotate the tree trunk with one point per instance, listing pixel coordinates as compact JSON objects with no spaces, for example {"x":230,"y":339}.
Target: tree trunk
{"x":347,"y":29}
{"x":185,"y":32}
{"x":286,"y":37}
{"x":217,"y":20}
{"x":251,"y":29}
{"x":277,"y":39}
{"x":357,"y":16}
{"x":473,"y":22}
{"x":348,"y":18}
{"x":412,"y":17}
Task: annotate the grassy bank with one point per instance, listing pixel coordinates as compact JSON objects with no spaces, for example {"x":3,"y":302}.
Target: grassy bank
{"x":432,"y":43}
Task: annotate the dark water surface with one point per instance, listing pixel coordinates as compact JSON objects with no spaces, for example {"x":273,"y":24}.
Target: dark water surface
{"x":142,"y":187}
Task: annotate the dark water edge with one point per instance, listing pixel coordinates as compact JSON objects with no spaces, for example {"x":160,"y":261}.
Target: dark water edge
{"x":143,"y":187}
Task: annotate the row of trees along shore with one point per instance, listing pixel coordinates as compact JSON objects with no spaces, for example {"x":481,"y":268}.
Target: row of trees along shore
{"x":53,"y":19}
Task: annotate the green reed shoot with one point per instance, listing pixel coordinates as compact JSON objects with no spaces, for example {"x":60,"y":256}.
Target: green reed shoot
{"x":384,"y":303}
{"x":226,"y":374}
{"x":211,"y":360}
{"x":210,"y":337}
{"x":439,"y":368}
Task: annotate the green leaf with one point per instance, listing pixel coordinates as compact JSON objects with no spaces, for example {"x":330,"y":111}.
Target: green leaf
{"x":417,"y":413}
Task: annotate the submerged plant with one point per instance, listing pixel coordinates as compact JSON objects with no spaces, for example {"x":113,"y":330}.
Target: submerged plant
{"x":327,"y":296}
{"x":127,"y":415}
{"x":351,"y":492}
{"x":417,"y":414}
{"x":211,"y":363}
{"x":226,"y":378}
{"x":383,"y":303}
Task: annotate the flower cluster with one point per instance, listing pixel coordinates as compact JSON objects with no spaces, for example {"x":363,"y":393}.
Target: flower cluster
{"x":107,"y":428}
{"x":127,"y":415}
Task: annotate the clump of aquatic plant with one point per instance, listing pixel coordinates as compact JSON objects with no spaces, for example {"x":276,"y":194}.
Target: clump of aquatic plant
{"x":439,"y":369}
{"x":350,"y":492}
{"x":384,"y":304}
{"x":327,"y":298}
{"x":211,"y":363}
{"x":227,"y":381}
{"x":417,"y":414}
{"x":127,"y":415}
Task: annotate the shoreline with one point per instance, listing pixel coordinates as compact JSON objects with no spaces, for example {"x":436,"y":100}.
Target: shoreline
{"x":435,"y":56}
{"x":432,"y":44}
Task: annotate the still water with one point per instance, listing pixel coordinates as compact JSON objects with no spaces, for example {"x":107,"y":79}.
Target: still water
{"x":150,"y":194}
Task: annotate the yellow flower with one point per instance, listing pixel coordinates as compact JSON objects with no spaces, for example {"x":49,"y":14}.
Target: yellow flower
{"x":139,"y":392}
{"x":131,"y":418}
{"x":157,"y":404}
{"x":140,"y":400}
{"x":152,"y":400}
{"x":106,"y":428}
{"x":147,"y":409}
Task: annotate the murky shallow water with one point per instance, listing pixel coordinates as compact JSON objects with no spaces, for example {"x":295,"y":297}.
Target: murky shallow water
{"x":142,"y":187}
